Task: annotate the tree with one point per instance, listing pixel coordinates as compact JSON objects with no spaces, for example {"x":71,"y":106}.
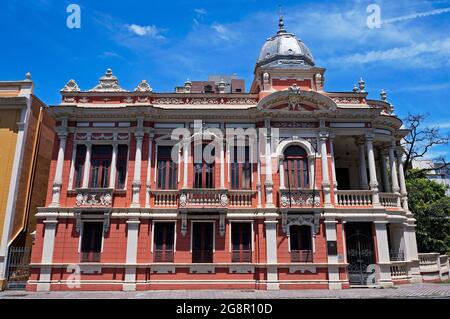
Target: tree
{"x":431,"y":208}
{"x":419,"y":141}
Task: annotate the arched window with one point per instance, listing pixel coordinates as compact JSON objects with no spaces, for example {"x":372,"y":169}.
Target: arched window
{"x":300,"y":241}
{"x":296,"y":167}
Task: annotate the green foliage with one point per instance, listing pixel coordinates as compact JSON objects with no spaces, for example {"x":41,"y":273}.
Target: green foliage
{"x":431,"y":208}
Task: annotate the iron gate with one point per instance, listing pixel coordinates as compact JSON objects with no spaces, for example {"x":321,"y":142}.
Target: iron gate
{"x":360,"y":258}
{"x":18,"y":268}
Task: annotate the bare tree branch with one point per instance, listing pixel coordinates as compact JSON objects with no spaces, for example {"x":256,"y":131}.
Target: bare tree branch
{"x":418,"y":143}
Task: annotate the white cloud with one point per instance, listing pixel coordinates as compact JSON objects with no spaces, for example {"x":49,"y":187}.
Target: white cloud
{"x":416,"y":15}
{"x":402,"y":54}
{"x":148,"y":30}
{"x":221,"y":31}
{"x":201,"y":11}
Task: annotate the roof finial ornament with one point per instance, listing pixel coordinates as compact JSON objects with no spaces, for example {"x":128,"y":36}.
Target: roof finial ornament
{"x":280,"y":22}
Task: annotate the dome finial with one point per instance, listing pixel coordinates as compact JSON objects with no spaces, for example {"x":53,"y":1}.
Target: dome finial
{"x":280,"y":22}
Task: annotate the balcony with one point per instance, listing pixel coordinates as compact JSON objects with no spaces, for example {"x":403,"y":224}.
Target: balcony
{"x":94,"y":197}
{"x":300,"y":198}
{"x":364,"y":198}
{"x":203,"y":198}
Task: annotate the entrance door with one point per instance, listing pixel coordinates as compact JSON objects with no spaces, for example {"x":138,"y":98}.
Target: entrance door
{"x":360,"y":254}
{"x":202,"y":242}
{"x":18,"y":267}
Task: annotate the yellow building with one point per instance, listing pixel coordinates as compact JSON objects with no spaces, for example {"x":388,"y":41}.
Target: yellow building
{"x":26,"y":139}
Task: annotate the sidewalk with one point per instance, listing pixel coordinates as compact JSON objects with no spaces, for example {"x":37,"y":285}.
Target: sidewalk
{"x":403,"y":291}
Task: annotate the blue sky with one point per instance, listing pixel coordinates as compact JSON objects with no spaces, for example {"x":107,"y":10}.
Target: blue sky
{"x":166,"y":42}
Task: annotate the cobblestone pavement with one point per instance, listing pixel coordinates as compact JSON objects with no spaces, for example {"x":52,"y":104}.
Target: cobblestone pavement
{"x":403,"y":291}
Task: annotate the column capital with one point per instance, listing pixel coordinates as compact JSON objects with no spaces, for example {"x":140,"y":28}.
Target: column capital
{"x":139,"y":135}
{"x":324,"y":135}
{"x":369,"y":136}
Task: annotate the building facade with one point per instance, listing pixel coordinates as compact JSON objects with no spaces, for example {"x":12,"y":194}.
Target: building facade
{"x":434,"y":171}
{"x":306,"y":190}
{"x":26,"y":135}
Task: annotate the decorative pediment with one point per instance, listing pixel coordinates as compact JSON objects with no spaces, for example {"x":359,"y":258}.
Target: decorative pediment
{"x":143,"y":86}
{"x":71,"y":86}
{"x":296,"y":100}
{"x":108,"y":83}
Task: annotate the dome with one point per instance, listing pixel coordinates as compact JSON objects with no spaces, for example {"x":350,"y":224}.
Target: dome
{"x":284,"y":50}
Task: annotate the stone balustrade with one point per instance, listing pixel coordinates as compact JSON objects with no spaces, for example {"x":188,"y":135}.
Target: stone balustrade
{"x":354,"y":197}
{"x":166,"y":198}
{"x":389,"y":199}
{"x":399,"y":270}
{"x":434,"y":267}
{"x":241,"y":198}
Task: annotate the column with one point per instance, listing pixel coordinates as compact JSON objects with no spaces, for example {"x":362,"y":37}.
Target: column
{"x":393,"y":168}
{"x":384,"y":171}
{"x":47,"y":254}
{"x":57,"y":183}
{"x":333,"y":270}
{"x":258,"y":172}
{"x":222,"y":164}
{"x":281,"y":171}
{"x":323,"y":136}
{"x":268,"y":182}
{"x":87,"y":165}
{"x":364,"y":184}
{"x":372,"y":170}
{"x":312,"y":166}
{"x":136,"y":185}
{"x":401,"y":177}
{"x":72,"y":166}
{"x":186,"y":146}
{"x":333,"y":168}
{"x":112,"y":176}
{"x":149,"y":170}
{"x":271,"y":252}
{"x":131,"y":256}
{"x":384,"y":262}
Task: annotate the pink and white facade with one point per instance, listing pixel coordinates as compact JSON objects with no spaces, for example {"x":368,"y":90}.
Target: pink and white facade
{"x":321,"y":204}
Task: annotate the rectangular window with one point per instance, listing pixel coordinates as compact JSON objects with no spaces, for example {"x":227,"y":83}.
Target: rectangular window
{"x":100,"y":166}
{"x":91,"y":241}
{"x":241,"y":168}
{"x":167,"y":169}
{"x":163,"y":246}
{"x":121,"y":166}
{"x":241,"y":242}
{"x":79,"y":165}
{"x":204,"y":172}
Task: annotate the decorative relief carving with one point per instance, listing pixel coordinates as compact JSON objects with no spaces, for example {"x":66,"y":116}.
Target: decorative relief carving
{"x":310,"y":220}
{"x":71,"y":86}
{"x":204,"y":101}
{"x":108,"y":83}
{"x":223,"y":200}
{"x":295,"y":124}
{"x":103,"y":136}
{"x":299,"y":199}
{"x":90,"y":198}
{"x":347,"y":100}
{"x":143,"y":86}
